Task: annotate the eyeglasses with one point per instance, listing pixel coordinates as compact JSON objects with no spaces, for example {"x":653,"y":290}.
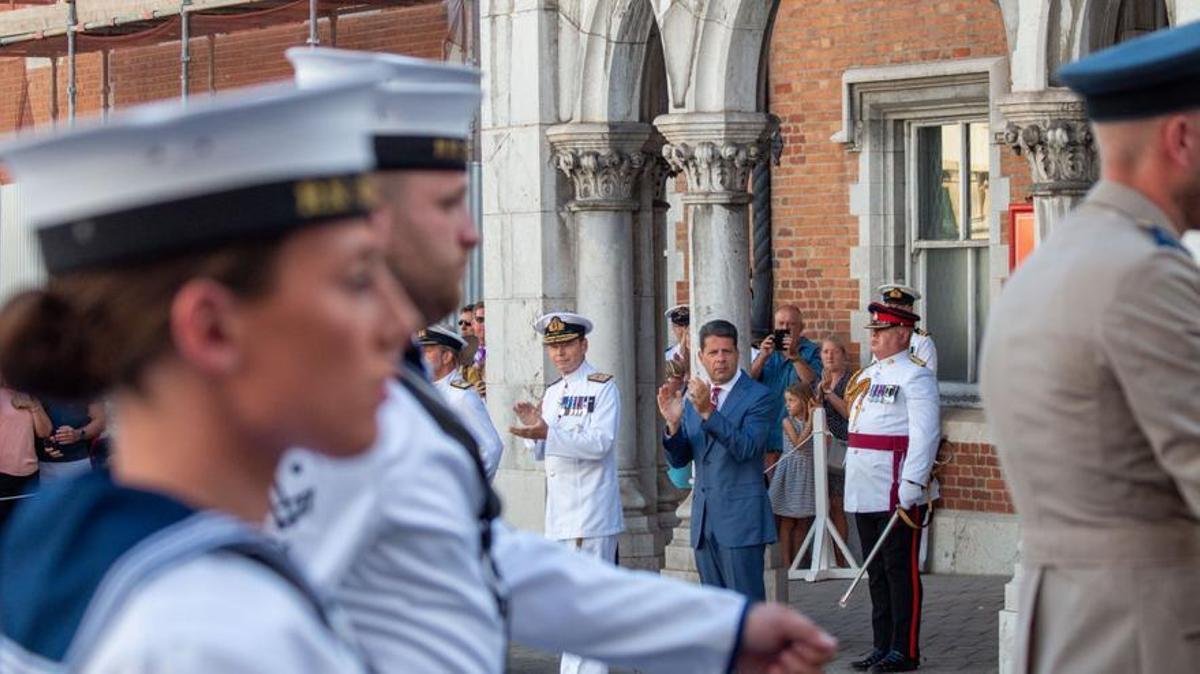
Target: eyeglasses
{"x":464,"y":324}
{"x":479,"y":319}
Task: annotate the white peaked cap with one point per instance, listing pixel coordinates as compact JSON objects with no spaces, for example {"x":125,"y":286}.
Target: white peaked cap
{"x":160,"y":178}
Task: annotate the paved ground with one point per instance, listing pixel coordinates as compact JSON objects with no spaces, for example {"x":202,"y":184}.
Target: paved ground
{"x":958,"y":634}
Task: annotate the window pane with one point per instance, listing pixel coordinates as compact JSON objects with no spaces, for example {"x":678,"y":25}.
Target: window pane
{"x":982,"y":305}
{"x":980,"y":197}
{"x":946,"y":291}
{"x":939,"y":152}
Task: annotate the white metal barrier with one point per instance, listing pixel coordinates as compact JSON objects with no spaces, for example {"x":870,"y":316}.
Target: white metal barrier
{"x":822,"y":535}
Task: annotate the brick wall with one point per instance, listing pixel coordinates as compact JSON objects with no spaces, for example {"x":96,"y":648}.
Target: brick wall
{"x":973,"y":481}
{"x":243,"y":57}
{"x":813,"y":44}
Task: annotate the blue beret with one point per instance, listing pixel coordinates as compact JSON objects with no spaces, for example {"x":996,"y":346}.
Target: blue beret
{"x":1149,"y":76}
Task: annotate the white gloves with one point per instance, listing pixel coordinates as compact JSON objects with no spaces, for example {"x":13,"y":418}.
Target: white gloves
{"x":910,"y":494}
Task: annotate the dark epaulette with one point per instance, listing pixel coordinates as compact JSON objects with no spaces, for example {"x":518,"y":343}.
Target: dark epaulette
{"x":599,"y":377}
{"x":921,"y":332}
{"x":460,"y":384}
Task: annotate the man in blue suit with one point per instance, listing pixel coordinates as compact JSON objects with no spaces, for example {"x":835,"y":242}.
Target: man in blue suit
{"x":723,"y":427}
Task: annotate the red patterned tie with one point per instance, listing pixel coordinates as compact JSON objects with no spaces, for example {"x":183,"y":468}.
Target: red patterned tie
{"x":716,"y":396}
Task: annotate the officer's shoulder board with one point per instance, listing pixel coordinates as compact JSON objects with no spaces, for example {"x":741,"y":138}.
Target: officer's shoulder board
{"x":916,"y":360}
{"x":920,"y":332}
{"x":460,"y":384}
{"x":600,"y":377}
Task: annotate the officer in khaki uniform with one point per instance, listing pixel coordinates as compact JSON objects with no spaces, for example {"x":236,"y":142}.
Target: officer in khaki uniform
{"x":575,"y":433}
{"x":894,"y":428}
{"x":1091,"y":383}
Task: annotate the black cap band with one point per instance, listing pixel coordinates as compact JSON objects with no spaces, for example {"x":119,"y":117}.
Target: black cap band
{"x":1146,"y":102}
{"x":401,"y":153}
{"x":202,"y":221}
{"x":435,"y":338}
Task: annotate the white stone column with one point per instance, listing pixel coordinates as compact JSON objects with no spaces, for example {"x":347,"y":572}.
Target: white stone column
{"x":717,"y":153}
{"x":1051,"y":130}
{"x":527,"y":250}
{"x":604,"y":162}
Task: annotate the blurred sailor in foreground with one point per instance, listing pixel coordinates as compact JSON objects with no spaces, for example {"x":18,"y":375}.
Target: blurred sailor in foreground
{"x":408,"y":538}
{"x":1089,"y":379}
{"x":216,"y":271}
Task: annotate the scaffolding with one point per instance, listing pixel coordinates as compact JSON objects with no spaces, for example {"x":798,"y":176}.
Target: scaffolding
{"x":72,"y":27}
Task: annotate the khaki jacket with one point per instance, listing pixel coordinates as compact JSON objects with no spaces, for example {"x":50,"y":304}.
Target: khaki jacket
{"x":1091,"y":382}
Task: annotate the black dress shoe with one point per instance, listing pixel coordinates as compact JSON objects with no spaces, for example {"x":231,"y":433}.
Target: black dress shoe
{"x":869,"y":661}
{"x":896,"y":662}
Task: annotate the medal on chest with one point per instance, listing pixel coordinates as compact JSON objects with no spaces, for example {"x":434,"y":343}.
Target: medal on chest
{"x":883,"y":393}
{"x":576,"y":406}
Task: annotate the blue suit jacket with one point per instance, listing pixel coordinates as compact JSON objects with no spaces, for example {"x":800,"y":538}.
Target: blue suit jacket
{"x":729,"y":497}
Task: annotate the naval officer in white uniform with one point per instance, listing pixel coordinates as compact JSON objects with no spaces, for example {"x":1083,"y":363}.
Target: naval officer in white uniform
{"x":894,"y":431}
{"x":575,"y":433}
{"x":442,"y":349}
{"x":408,"y":537}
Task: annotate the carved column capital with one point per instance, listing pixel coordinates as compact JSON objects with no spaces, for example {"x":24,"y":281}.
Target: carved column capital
{"x":1051,"y":130}
{"x":716,"y":151}
{"x":603,"y":161}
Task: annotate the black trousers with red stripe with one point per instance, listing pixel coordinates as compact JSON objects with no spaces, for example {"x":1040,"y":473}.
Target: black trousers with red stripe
{"x":895,"y":581}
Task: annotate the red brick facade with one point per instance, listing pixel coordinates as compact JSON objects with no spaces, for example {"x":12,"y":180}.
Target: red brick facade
{"x":813,"y":44}
{"x":144,"y":73}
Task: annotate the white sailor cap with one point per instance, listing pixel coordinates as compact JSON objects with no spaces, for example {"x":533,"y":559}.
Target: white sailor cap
{"x":425,"y":108}
{"x":895,"y":292}
{"x":158,"y":179}
{"x":436,"y":335}
{"x":680,"y":315}
{"x":558,"y":327}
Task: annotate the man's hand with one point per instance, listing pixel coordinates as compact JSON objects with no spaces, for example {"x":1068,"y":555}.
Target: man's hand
{"x":670,"y":406}
{"x":909,"y":494}
{"x":778,"y":640}
{"x":767,"y":346}
{"x":530,"y":415}
{"x":700,"y":393}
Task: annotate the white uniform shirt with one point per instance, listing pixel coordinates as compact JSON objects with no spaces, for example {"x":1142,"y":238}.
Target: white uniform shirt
{"x":395,"y":536}
{"x":583,"y":497}
{"x":921,"y":345}
{"x":220,"y":612}
{"x":900,"y":400}
{"x":464,"y":400}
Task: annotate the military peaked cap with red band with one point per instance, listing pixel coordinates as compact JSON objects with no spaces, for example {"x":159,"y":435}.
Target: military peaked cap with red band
{"x":884,"y":316}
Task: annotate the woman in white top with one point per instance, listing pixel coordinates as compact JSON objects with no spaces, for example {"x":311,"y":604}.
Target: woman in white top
{"x":233,"y":298}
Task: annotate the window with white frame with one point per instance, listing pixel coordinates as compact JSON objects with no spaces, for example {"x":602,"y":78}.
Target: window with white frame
{"x":930,"y":198}
{"x":948,"y":236}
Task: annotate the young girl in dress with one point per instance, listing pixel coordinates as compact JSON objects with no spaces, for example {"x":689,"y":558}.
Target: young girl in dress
{"x":792,"y":490}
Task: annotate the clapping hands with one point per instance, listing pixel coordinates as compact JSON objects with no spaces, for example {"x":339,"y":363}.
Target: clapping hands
{"x":533,"y":425}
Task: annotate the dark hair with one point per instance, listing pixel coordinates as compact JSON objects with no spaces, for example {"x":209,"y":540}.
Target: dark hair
{"x":89,"y":331}
{"x":718,"y":328}
{"x":469,"y":307}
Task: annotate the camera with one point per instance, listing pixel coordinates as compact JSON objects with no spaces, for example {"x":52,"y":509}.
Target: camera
{"x":778,"y":337}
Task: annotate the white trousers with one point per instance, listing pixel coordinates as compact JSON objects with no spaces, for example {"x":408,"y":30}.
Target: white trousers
{"x":604,"y":547}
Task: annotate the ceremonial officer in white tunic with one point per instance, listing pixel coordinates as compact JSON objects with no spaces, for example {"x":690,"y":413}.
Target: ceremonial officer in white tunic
{"x":894,"y":432}
{"x":1091,"y":382}
{"x":442,"y":349}
{"x":408,"y":536}
{"x":575,"y":433}
{"x":921,"y":345}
